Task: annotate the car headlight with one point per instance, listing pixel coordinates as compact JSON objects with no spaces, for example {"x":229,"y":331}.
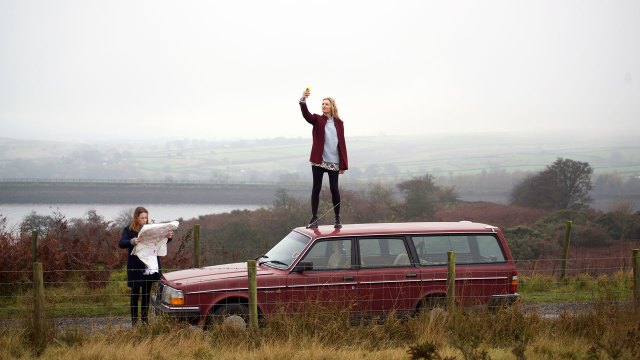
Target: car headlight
{"x":172,"y":296}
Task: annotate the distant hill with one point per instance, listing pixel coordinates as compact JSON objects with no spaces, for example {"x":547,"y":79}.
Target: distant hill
{"x":479,"y":166}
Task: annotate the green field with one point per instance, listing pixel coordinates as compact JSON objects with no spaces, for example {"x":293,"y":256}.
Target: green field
{"x":480,"y":167}
{"x":371,"y":158}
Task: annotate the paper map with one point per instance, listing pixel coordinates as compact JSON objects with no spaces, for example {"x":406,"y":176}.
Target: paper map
{"x":152,"y":242}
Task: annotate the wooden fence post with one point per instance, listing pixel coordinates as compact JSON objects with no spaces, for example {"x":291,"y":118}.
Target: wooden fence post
{"x":565,"y":249}
{"x":636,"y":275}
{"x":34,"y":246}
{"x":196,"y":246}
{"x":39,"y":326}
{"x":253,"y":293}
{"x":451,"y":279}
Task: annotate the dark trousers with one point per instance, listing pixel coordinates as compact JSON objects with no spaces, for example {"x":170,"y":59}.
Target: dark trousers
{"x":141,"y":289}
{"x":318,"y":173}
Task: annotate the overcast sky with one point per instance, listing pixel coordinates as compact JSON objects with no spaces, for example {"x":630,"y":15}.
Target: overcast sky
{"x":99,"y":70}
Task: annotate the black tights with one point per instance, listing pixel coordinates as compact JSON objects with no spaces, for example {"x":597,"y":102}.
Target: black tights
{"x":139,"y":287}
{"x":318,"y":173}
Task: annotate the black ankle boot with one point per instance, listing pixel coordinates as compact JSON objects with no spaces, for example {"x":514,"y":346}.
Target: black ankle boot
{"x":338,"y":224}
{"x":313,"y":223}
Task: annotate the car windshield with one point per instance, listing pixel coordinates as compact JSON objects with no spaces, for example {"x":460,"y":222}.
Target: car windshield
{"x":286,"y":251}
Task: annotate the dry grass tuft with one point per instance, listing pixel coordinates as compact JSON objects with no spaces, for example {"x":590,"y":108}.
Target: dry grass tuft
{"x":606,"y":331}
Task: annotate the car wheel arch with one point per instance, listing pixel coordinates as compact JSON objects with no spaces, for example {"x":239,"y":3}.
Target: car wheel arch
{"x":430,"y":301}
{"x":231,"y":300}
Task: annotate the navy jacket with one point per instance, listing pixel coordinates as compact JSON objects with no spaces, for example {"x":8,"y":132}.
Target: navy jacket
{"x":135,"y":266}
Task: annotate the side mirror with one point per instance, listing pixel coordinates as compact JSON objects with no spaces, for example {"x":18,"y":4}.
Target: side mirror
{"x":303,"y":266}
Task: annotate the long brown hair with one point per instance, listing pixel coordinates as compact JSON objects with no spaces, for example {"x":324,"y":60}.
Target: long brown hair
{"x":334,"y":108}
{"x":134,"y":226}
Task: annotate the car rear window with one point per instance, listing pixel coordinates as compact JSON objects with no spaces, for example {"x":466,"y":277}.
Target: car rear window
{"x":469,"y":248}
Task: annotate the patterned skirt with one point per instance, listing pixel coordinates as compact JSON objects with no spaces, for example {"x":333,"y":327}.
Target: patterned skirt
{"x":328,"y":166}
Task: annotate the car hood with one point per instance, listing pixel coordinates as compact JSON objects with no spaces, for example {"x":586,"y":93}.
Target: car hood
{"x":213,"y":273}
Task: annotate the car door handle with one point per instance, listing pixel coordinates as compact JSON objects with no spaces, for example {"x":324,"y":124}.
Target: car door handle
{"x":347,"y":277}
{"x":411,"y":275}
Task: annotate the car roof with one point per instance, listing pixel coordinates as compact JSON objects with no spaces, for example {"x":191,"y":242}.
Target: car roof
{"x":397,"y":228}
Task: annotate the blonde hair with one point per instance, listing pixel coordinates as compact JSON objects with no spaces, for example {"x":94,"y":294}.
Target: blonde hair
{"x":334,"y":107}
{"x":134,"y":226}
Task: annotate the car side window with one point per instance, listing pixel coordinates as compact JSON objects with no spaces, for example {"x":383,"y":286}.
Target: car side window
{"x":383,"y":252}
{"x":432,"y":250}
{"x":469,"y":249}
{"x":330,"y":254}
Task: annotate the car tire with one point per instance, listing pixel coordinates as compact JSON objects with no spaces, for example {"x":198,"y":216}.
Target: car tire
{"x":433,"y":305}
{"x":234,"y":315}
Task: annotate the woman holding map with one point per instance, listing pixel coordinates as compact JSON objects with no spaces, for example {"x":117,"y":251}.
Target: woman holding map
{"x":139,"y":276}
{"x":328,"y":154}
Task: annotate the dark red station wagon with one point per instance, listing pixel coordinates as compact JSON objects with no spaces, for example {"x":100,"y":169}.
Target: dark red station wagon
{"x":368,"y":269}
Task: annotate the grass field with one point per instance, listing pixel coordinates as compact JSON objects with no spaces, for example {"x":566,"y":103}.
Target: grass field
{"x":608,"y":329}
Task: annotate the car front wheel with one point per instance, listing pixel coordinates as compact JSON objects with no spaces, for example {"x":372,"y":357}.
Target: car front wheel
{"x":235,"y":315}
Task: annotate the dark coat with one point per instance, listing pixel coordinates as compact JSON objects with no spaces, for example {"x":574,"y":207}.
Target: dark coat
{"x":135,"y":266}
{"x":317,"y":147}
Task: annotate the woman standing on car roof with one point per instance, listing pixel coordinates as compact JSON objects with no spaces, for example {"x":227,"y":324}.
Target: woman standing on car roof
{"x":328,"y":153}
{"x":139,"y":277}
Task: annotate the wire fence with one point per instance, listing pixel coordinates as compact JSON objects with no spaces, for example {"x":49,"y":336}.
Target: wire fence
{"x":377,"y":289}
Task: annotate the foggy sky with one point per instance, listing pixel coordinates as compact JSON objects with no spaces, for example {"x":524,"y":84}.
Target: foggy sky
{"x":86,"y":69}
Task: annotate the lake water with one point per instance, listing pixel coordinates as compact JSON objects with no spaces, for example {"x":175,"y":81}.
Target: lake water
{"x":157,"y":212}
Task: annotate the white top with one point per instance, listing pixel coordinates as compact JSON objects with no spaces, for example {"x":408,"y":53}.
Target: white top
{"x":330,"y":152}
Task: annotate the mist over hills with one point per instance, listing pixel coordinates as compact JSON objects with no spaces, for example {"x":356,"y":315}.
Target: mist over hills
{"x":479,"y":166}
